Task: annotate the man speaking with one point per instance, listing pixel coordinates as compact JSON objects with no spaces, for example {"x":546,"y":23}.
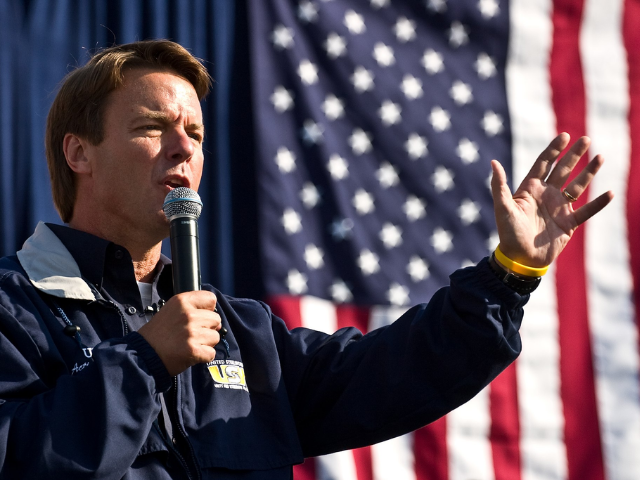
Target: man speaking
{"x":105,"y":373}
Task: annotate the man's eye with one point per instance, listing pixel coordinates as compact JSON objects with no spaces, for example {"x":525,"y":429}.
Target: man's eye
{"x":196,"y":136}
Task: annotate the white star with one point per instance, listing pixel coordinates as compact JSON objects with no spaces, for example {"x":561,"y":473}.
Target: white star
{"x":338,"y":167}
{"x":354,"y":22}
{"x":468,"y":212}
{"x":493,"y":241}
{"x":389,"y":113}
{"x":340,"y":292}
{"x":296,"y":282}
{"x":312,"y":132}
{"x":387,"y":175}
{"x":360,"y":141}
{"x":282,"y":99}
{"x":362,"y":79}
{"x":391,"y":235}
{"x":458,"y":35}
{"x":335,"y":46}
{"x":440,"y":119}
{"x":442,"y":179}
{"x":363,"y":202}
{"x":398,"y":294}
{"x":492,"y":123}
{"x":405,"y":30}
{"x":441,"y":240}
{"x":341,"y":229}
{"x":308,"y":72}
{"x":307,"y":12}
{"x":461,"y":93}
{"x":313,"y":256}
{"x":383,"y":54}
{"x":379,"y":3}
{"x":291,"y":221}
{"x":414,"y":208}
{"x":368,"y":262}
{"x":282,"y":37}
{"x":467,"y":151}
{"x":485,"y":66}
{"x":309,"y":195}
{"x":417,"y":268}
{"x":286,"y":160}
{"x":437,"y":5}
{"x":488,"y":8}
{"x":432,"y":62}
{"x":411,"y":87}
{"x":333,"y":107}
{"x":416,"y":146}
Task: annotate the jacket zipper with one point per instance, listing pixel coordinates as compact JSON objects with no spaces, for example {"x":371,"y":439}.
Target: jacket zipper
{"x":180,"y":428}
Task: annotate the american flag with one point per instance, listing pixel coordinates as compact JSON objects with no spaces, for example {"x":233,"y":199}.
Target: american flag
{"x":376,"y":121}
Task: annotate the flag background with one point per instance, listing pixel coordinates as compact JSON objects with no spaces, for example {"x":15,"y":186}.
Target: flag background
{"x":410,"y":190}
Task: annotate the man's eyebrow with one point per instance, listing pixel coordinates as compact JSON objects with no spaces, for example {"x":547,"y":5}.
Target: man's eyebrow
{"x":161,"y":116}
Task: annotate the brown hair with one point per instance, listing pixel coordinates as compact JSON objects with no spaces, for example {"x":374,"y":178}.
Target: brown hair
{"x":81,"y":101}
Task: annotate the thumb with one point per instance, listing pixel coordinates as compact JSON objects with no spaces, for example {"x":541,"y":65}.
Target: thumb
{"x":499,"y":188}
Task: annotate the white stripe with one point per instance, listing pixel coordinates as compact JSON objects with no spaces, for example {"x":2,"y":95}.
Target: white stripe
{"x":381,"y":315}
{"x":533,"y":125}
{"x":393,"y":459}
{"x":318,"y":314}
{"x":336,"y":466}
{"x":468,"y":440}
{"x":615,"y":338}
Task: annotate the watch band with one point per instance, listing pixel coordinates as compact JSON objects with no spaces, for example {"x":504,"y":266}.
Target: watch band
{"x":518,"y":283}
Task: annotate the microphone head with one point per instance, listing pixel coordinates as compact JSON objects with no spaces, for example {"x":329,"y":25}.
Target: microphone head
{"x":182,"y":202}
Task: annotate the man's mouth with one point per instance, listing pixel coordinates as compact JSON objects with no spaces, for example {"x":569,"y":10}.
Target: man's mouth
{"x":176,"y":182}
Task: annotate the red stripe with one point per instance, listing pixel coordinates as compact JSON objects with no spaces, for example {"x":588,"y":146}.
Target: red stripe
{"x":306,"y":471}
{"x":364,"y":465}
{"x":287,"y":308}
{"x":505,"y":426}
{"x":353,"y":316}
{"x":430,"y":451}
{"x":577,"y":386}
{"x":631,"y":35}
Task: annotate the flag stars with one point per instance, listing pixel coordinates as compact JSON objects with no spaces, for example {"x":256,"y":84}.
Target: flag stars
{"x":308,"y":72}
{"x":468,"y":211}
{"x":309,"y":195}
{"x":360,"y":142}
{"x":442,"y":179}
{"x":340,"y":292}
{"x":341,"y":228}
{"x":441,"y":240}
{"x":489,"y":8}
{"x":312,"y":132}
{"x":313,"y":256}
{"x":417,"y":268}
{"x":414,"y":208}
{"x":379,"y":3}
{"x":291,"y":221}
{"x":338,"y":167}
{"x":383,"y":54}
{"x":391,"y":235}
{"x":296,"y":282}
{"x":307,"y":12}
{"x":282,"y":37}
{"x":335,"y":45}
{"x":411,"y":87}
{"x":416,"y":146}
{"x":438,"y":6}
{"x":485,"y":66}
{"x":432,"y":61}
{"x":467,"y":151}
{"x":440,"y":119}
{"x":461,"y":93}
{"x":492,"y":241}
{"x":333,"y":107}
{"x":282,"y":99}
{"x":354,"y":22}
{"x":492,"y":123}
{"x":286,"y":160}
{"x":398,"y":294}
{"x":387,"y":175}
{"x":363,"y":202}
{"x":458,"y":35}
{"x":405,"y":30}
{"x":368,"y":262}
{"x":362,"y":79}
{"x":389,"y":113}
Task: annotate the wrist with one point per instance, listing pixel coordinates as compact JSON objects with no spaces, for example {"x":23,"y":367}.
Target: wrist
{"x":521,"y":284}
{"x":518,"y":268}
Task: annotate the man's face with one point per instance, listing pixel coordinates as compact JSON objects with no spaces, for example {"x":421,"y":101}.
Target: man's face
{"x":152,"y":143}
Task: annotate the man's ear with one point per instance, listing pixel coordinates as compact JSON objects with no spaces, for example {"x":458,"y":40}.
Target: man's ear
{"x":75,"y":151}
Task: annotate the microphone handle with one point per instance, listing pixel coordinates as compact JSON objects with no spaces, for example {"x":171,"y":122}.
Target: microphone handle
{"x":185,"y":254}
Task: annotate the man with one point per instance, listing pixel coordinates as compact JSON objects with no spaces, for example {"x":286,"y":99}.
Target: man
{"x":96,"y":381}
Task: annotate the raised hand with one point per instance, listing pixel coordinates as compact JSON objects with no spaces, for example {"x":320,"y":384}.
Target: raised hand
{"x":538,"y":220}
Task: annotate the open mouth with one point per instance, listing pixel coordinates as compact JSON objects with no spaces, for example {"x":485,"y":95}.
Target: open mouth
{"x":175,"y":183}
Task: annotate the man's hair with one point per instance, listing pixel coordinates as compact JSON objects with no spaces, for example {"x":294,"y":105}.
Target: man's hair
{"x":81,"y":102}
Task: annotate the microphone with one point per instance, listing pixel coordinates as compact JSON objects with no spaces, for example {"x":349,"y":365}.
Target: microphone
{"x":182,"y":207}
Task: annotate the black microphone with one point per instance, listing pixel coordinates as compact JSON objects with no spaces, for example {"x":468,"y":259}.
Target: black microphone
{"x":183,"y":206}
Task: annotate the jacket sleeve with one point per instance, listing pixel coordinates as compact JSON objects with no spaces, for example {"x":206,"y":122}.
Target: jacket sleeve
{"x":58,"y":425}
{"x":348,"y":390}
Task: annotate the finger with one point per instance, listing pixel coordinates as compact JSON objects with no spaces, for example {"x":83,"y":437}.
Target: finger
{"x":579,"y":184}
{"x":542,"y":166}
{"x":588,"y":210}
{"x":499,"y":188}
{"x":202,"y":299}
{"x":567,"y":163}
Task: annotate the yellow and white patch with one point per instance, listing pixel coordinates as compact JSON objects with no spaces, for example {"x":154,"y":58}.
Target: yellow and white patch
{"x":228,"y":374}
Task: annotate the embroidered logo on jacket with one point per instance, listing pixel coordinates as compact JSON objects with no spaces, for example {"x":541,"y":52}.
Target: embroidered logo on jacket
{"x":228,"y":374}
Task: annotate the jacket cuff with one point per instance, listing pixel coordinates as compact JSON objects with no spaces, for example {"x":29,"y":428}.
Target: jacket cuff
{"x":151,"y":359}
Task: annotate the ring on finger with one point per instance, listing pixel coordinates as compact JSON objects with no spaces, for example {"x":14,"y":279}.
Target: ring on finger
{"x":568,"y":196}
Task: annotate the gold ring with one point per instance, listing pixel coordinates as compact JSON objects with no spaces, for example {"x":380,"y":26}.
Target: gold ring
{"x":568,"y":196}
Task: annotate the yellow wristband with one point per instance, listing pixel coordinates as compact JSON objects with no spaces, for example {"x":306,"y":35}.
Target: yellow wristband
{"x":518,"y":267}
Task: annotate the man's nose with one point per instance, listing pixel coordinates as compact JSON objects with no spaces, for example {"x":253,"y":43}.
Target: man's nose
{"x":181,"y":146}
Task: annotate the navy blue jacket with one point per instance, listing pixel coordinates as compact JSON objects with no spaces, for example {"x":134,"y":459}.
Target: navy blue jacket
{"x":90,"y":405}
